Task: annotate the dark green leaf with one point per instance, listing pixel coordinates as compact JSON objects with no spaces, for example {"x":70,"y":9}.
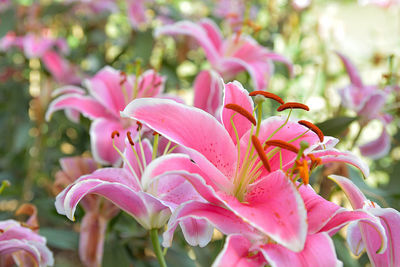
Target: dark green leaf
{"x":335,"y":126}
{"x":62,"y":239}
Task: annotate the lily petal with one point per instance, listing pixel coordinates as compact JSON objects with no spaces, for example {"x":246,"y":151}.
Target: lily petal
{"x":236,"y":253}
{"x":274,"y":207}
{"x":86,"y":105}
{"x":189,"y":127}
{"x":351,"y":71}
{"x":377,"y":148}
{"x":197,"y":232}
{"x":195,"y":31}
{"x":234,"y":93}
{"x":221,"y":218}
{"x":208,"y":91}
{"x":318,"y":251}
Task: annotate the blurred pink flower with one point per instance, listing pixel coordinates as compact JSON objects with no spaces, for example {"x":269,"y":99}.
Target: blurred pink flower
{"x":142,"y":188}
{"x":5,"y":4}
{"x":61,"y":70}
{"x":243,"y":192}
{"x":97,"y":211}
{"x":230,"y":56}
{"x":362,"y":236}
{"x":137,"y":12}
{"x":22,"y":246}
{"x":368,"y":101}
{"x":109,"y":92}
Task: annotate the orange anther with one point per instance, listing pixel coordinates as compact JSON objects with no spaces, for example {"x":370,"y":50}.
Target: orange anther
{"x":114,"y":133}
{"x":268,"y":95}
{"x":292,"y":105}
{"x":282,"y":144}
{"x":242,"y":112}
{"x":260,"y":152}
{"x":128,"y":134}
{"x":313,"y":128}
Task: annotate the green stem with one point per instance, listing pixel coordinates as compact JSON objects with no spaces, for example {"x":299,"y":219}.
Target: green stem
{"x":157,"y":247}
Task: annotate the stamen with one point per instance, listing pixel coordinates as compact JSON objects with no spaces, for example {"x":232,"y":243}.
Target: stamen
{"x":114,"y":133}
{"x":313,"y":128}
{"x":128,"y":134}
{"x":315,"y":162}
{"x":155,"y":145}
{"x":281,"y":144}
{"x":268,"y":95}
{"x":302,"y":167}
{"x":123,"y":78}
{"x":292,"y":105}
{"x":139,"y":125}
{"x":260,"y":152}
{"x":242,"y":112}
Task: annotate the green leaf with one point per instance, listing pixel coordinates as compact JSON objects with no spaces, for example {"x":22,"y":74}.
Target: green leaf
{"x":61,"y":239}
{"x":335,"y":126}
{"x":115,"y":254}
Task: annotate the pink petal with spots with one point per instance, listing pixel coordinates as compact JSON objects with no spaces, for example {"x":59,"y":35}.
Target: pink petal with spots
{"x":274,"y":207}
{"x":236,"y":253}
{"x":234,"y":93}
{"x":208,"y":88}
{"x":319,"y":251}
{"x":191,"y":128}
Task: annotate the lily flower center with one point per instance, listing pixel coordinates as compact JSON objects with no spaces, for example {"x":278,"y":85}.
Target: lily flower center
{"x":255,"y":161}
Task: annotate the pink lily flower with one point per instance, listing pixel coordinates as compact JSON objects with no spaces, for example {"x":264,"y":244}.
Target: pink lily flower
{"x":368,"y":101}
{"x":32,"y":45}
{"x":137,"y":12}
{"x":361,"y":236}
{"x":97,"y":211}
{"x":243,"y":190}
{"x":109,"y":92}
{"x":230,"y":56}
{"x":324,"y":219}
{"x":142,"y":189}
{"x":61,"y":70}
{"x":22,"y":246}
